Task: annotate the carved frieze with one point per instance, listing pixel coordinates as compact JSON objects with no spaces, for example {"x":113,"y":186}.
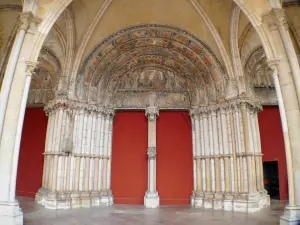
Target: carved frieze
{"x":140,"y":100}
{"x":151,"y":80}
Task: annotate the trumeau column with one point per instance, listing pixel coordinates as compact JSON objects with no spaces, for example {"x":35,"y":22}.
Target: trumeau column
{"x":77,"y":156}
{"x":151,"y":199}
{"x":222,"y":133}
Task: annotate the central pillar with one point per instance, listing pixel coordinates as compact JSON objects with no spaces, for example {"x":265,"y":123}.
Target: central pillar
{"x":151,"y":199}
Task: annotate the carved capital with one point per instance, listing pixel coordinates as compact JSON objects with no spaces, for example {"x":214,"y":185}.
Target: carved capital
{"x":212,"y":109}
{"x":109,"y":113}
{"x":151,"y":152}
{"x":275,"y":19}
{"x":194,"y":113}
{"x":30,"y":67}
{"x":152,"y":113}
{"x":274,"y":64}
{"x":28,"y":22}
{"x":203,"y":111}
{"x":223,"y":108}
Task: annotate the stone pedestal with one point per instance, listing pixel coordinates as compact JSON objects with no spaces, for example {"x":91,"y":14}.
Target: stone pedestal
{"x":151,"y":199}
{"x":11,"y":213}
{"x":291,"y":215}
{"x":106,"y":198}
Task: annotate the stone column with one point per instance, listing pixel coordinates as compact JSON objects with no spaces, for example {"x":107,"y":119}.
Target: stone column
{"x":25,"y":20}
{"x":194,"y":154}
{"x":10,"y":213}
{"x":197,"y":199}
{"x":279,"y":18}
{"x":219,"y":152}
{"x":151,"y":199}
{"x":74,"y":175}
{"x":288,"y":111}
{"x":106,"y":193}
{"x":288,"y":83}
{"x":13,"y":177}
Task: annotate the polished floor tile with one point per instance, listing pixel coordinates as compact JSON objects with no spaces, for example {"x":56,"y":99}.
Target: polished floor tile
{"x":35,"y":214}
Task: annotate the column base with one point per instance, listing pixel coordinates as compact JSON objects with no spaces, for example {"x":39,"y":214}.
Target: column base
{"x":66,"y":200}
{"x":237,"y":202}
{"x":291,"y":215}
{"x":151,"y":199}
{"x":106,"y":198}
{"x":11,"y":213}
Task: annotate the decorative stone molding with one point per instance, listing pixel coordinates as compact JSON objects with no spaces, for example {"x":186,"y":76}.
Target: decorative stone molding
{"x":151,"y":152}
{"x":152,"y":113}
{"x":232,"y":104}
{"x":75,"y":105}
{"x":266,"y":96}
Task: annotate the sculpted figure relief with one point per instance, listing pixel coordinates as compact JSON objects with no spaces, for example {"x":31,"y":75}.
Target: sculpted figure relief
{"x":152,"y":80}
{"x":178,"y":52}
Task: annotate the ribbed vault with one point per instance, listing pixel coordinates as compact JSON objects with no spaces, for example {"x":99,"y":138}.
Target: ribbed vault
{"x":156,"y":47}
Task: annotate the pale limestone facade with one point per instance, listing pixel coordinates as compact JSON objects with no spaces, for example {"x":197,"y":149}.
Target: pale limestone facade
{"x":83,"y":60}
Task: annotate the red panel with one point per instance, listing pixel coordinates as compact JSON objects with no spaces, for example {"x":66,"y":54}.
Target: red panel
{"x":273,"y":144}
{"x":174,"y":158}
{"x":30,"y":167}
{"x":129,"y":158}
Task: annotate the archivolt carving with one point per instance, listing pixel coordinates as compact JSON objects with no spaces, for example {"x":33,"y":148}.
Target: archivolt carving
{"x":47,"y":73}
{"x":126,"y":56}
{"x":257,"y":69}
{"x":259,"y":76}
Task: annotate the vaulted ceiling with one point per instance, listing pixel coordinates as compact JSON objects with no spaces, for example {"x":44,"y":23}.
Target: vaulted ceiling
{"x":86,"y":23}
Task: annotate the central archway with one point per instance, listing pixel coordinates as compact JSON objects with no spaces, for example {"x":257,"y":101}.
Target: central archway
{"x":157,"y":67}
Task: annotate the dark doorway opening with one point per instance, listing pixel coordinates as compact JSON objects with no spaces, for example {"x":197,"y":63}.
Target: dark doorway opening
{"x":271,"y":179}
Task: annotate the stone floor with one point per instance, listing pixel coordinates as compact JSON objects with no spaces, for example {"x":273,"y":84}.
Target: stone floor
{"x":34,"y":214}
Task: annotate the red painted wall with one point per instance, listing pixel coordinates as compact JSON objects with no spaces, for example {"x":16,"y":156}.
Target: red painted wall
{"x":30,"y":167}
{"x":129,"y":157}
{"x":174,"y":158}
{"x":273,"y":144}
